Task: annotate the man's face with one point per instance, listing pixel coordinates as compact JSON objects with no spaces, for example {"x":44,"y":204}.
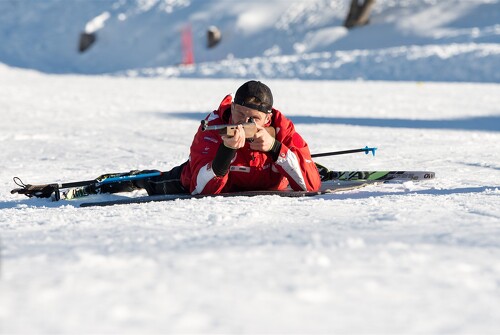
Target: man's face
{"x":241,"y":114}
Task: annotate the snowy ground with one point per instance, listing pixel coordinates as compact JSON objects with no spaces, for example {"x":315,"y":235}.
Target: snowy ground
{"x":395,"y":258}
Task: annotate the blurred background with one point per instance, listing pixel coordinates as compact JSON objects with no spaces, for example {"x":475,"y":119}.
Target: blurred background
{"x":425,"y":40}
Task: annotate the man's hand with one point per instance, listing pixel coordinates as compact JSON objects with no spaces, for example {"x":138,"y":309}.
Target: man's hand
{"x":237,"y":141}
{"x":262,"y":140}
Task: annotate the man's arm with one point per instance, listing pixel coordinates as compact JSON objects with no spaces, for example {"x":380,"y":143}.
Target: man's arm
{"x":211,"y":155}
{"x":293,"y":159}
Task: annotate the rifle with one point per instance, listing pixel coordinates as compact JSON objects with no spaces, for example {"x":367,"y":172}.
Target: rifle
{"x":249,"y":127}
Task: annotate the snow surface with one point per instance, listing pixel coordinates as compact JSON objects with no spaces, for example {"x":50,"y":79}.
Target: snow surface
{"x":394,"y":258}
{"x":415,"y":257}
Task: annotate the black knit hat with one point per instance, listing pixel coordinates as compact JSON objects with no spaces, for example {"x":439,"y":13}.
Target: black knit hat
{"x":261,"y":94}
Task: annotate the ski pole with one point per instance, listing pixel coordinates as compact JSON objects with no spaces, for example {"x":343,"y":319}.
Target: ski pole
{"x":366,"y":150}
{"x":129,"y":177}
{"x":116,"y":179}
{"x":125,"y":177}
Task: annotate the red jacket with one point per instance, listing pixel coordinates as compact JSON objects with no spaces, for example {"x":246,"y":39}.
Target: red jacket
{"x":249,"y":169}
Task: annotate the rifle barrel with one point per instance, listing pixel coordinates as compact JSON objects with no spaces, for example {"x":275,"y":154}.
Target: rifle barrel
{"x":205,"y":127}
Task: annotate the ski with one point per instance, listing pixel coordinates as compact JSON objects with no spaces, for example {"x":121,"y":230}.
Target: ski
{"x":327,"y":187}
{"x":173,"y":197}
{"x":328,"y":177}
{"x":381,"y":175}
{"x":340,"y":181}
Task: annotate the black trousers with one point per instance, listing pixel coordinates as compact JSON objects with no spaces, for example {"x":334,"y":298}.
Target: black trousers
{"x":169,"y":182}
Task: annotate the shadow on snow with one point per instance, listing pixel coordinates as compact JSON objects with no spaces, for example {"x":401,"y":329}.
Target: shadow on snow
{"x":479,"y":123}
{"x":438,"y":192}
{"x":47,"y":203}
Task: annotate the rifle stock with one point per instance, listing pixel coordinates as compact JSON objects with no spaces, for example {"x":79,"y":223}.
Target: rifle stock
{"x":250,"y":129}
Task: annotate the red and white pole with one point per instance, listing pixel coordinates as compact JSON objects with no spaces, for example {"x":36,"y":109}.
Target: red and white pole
{"x":187,"y":45}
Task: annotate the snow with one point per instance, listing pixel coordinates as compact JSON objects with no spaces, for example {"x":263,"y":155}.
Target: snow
{"x":97,"y":23}
{"x":428,"y":40}
{"x":413,"y":257}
